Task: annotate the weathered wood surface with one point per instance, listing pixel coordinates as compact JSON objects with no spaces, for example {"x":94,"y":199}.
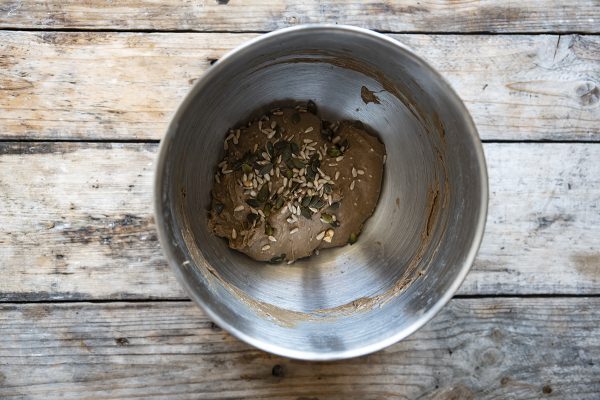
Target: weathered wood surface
{"x":254,"y":15}
{"x":61,"y":85}
{"x":76,"y":223}
{"x":502,"y":348}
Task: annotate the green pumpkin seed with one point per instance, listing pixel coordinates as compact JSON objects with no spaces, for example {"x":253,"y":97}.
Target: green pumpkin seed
{"x":353,"y":238}
{"x":306,"y":201}
{"x":326,"y":218}
{"x":269,"y":230}
{"x":263,"y":194}
{"x":246,"y":168}
{"x":306,"y":212}
{"x":320,"y":203}
{"x":265,"y":169}
{"x":279,"y":202}
{"x":334,"y":152}
{"x":252,"y":218}
{"x":267,"y":210}
{"x":253,"y":203}
{"x":277,"y":259}
{"x":313,"y":201}
{"x":294,"y":148}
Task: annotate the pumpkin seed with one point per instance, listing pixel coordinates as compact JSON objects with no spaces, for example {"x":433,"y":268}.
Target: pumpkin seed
{"x":352,"y":238}
{"x":269,"y":230}
{"x":246,"y":168}
{"x":252,"y":218}
{"x":263,"y":194}
{"x":306,"y":201}
{"x":267,"y":210}
{"x":306,"y":212}
{"x":294,"y":147}
{"x":254,"y":203}
{"x":277,"y":259}
{"x":270,"y":149}
{"x":326,"y":218}
{"x":265,"y":169}
{"x":333,"y":152}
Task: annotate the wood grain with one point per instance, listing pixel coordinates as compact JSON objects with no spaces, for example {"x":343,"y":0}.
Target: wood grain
{"x":76,"y":222}
{"x":60,"y":85}
{"x":256,"y":15}
{"x":473,"y":349}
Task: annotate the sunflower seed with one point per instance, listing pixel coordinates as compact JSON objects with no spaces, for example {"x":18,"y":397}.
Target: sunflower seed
{"x":233,"y":234}
{"x":340,"y":158}
{"x":293,"y":231}
{"x":354,"y":173}
{"x":320,"y":236}
{"x":272,"y":239}
{"x":238,"y":208}
{"x":336,"y":140}
{"x":217,"y":178}
{"x":309,"y":129}
{"x":227,"y":171}
{"x":352,"y":185}
{"x":265,"y":247}
{"x":360,"y":172}
{"x":337,"y":175}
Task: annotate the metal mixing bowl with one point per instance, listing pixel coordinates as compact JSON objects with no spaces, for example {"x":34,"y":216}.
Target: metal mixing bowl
{"x":414,"y":251}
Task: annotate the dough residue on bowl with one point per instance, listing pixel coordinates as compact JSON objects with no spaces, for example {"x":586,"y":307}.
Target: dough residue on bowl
{"x":291,"y":184}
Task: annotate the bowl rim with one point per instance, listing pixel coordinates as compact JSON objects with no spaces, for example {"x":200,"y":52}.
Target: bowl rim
{"x":169,"y":252}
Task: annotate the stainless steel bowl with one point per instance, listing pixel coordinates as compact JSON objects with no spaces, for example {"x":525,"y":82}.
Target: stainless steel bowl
{"x":414,"y":251}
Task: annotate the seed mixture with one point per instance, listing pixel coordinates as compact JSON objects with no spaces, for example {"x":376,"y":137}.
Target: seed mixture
{"x":291,"y":184}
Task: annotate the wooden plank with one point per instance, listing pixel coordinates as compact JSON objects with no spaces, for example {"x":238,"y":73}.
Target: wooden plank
{"x":508,"y":348}
{"x":255,"y":15}
{"x":124,"y":86}
{"x":76,"y":222}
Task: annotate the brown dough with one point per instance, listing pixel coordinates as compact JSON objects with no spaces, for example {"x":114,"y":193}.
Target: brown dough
{"x":365,"y":153}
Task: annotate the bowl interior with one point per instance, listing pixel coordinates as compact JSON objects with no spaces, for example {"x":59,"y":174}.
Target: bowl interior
{"x":414,"y":251}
